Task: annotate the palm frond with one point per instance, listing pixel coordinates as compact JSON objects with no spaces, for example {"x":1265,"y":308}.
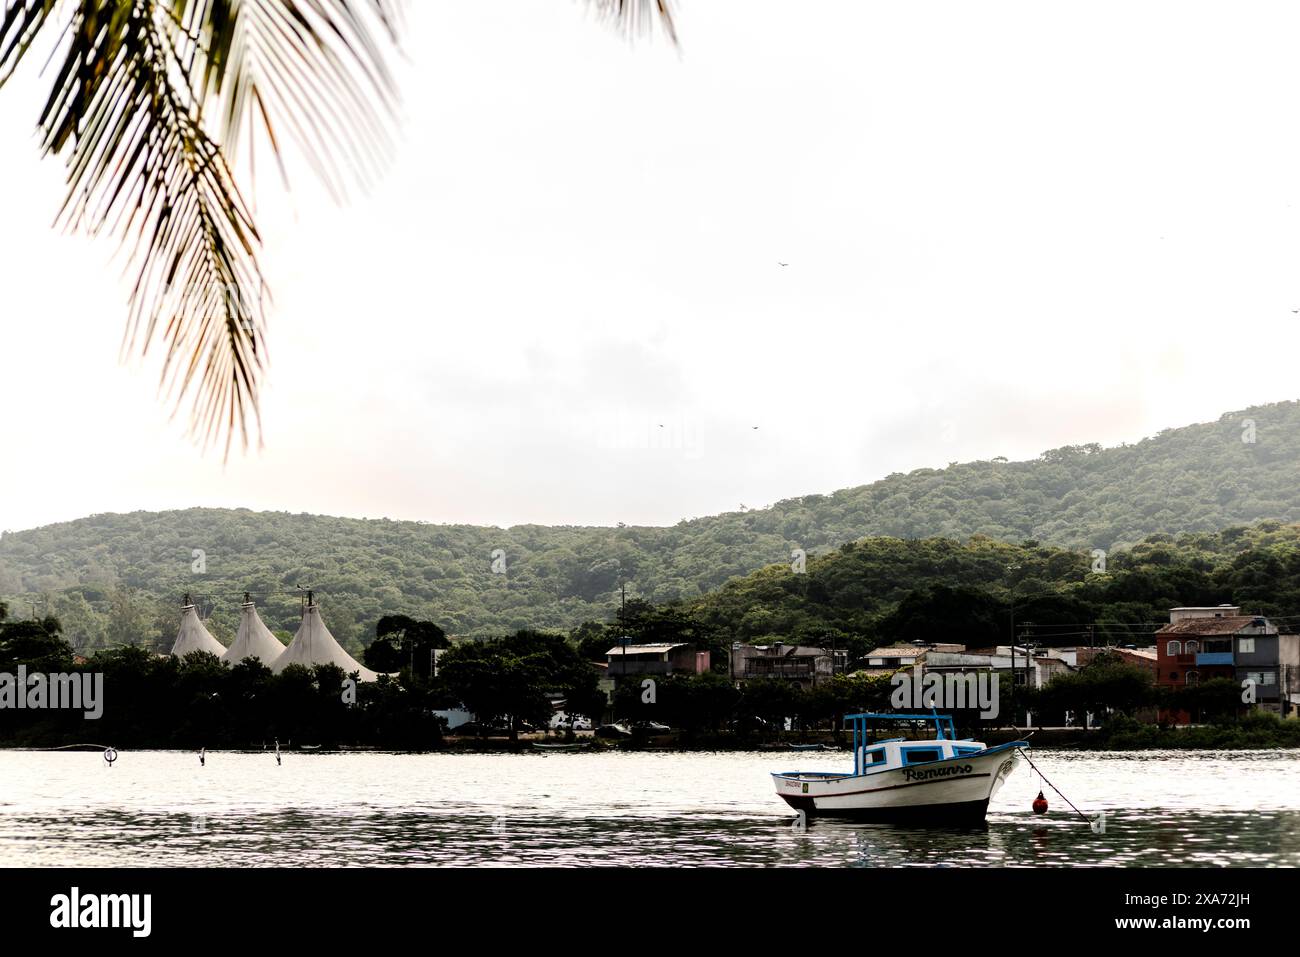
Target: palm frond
{"x":146,"y":97}
{"x":140,"y":164}
{"x":19,"y":26}
{"x":634,"y":18}
{"x":147,"y":100}
{"x":312,"y":71}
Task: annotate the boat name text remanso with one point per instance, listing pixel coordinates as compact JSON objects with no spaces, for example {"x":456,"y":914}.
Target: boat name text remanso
{"x":926,"y":773}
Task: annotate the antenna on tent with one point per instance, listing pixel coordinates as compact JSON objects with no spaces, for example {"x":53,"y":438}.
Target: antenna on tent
{"x":185,"y":602}
{"x":247,"y":600}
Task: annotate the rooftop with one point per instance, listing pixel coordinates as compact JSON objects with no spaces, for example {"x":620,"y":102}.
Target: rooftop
{"x":658,"y":649}
{"x":1210,"y":626}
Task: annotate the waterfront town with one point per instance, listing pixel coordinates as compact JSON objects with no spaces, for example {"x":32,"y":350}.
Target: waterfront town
{"x":1199,"y":645}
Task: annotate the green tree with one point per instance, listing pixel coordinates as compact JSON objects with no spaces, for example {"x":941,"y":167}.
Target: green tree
{"x":512,"y":679}
{"x":1214,"y":699}
{"x":1104,"y":685}
{"x":34,"y":644}
{"x":402,"y":642}
{"x":771,"y":699}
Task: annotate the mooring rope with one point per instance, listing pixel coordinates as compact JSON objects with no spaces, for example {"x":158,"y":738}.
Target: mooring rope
{"x":1053,"y":786}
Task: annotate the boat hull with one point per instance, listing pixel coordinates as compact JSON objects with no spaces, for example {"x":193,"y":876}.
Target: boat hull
{"x":956,"y":790}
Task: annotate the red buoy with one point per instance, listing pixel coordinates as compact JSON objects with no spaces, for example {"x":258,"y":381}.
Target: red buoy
{"x":1040,"y":804}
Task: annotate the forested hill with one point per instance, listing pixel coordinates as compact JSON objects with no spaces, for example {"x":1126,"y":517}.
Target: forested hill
{"x":889,"y":590}
{"x":110,"y":577}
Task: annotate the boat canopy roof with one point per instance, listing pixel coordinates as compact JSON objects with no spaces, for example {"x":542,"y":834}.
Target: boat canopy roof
{"x":943,"y":724}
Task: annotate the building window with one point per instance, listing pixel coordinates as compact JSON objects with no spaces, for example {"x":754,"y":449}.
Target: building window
{"x":1190,"y":648}
{"x":1193,"y":677}
{"x":1173,"y":676}
{"x":1246,"y":645}
{"x":1174,"y":648}
{"x":1269,"y":678}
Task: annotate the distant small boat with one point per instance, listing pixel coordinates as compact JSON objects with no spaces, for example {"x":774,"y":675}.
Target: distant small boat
{"x":579,"y":746}
{"x":940,"y":780}
{"x":812,"y":747}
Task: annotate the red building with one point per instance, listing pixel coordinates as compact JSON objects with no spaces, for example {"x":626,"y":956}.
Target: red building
{"x":1198,"y":644}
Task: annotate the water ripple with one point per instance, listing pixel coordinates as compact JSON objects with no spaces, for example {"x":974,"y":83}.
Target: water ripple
{"x":578,"y":810}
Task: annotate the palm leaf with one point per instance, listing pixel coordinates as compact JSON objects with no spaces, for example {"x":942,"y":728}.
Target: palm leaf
{"x":147,"y":100}
{"x":633,"y":18}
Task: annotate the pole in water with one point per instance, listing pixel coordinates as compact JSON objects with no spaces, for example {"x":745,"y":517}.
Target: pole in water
{"x":203,"y":756}
{"x":277,"y":751}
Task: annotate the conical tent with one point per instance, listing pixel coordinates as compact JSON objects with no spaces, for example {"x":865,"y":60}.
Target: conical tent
{"x":194,"y":637}
{"x":314,"y":645}
{"x":254,"y":639}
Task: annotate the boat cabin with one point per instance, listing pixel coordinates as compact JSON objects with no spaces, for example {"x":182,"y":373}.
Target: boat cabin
{"x":890,"y":754}
{"x":901,"y":753}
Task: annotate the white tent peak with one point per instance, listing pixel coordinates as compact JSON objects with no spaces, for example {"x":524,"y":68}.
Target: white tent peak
{"x":314,"y":645}
{"x":193,"y":637}
{"x":254,"y":639}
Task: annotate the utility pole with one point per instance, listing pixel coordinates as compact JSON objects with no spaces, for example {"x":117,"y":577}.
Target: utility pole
{"x":1028,"y":664}
{"x":1012,"y":689}
{"x":731,"y":654}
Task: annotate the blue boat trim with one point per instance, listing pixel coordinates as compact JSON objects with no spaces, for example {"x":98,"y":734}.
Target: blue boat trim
{"x":833,"y":776}
{"x":944,"y":731}
{"x":950,"y":755}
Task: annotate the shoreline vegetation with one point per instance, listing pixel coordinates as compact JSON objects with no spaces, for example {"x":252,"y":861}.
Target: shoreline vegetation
{"x":514,"y":683}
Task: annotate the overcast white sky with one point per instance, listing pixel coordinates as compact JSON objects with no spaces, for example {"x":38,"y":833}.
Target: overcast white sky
{"x":1009,"y":226}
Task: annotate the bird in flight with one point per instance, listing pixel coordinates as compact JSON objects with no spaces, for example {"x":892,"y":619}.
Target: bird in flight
{"x":783,"y":264}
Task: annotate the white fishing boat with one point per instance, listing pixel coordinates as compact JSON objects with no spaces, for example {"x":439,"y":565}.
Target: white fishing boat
{"x":945,"y":779}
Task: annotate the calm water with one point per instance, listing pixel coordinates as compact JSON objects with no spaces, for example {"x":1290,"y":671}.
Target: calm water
{"x":162,"y":808}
